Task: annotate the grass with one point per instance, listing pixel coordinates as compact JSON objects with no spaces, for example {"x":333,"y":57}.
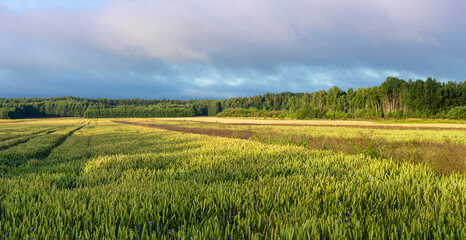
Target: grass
{"x":117,"y":181}
{"x":447,"y":157}
{"x":438,"y":123}
{"x":443,"y":150}
{"x":243,"y":134}
{"x":418,"y":120}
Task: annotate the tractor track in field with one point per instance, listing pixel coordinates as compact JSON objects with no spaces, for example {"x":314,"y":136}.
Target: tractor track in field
{"x":241,"y":134}
{"x":31,"y":134}
{"x":15,"y":143}
{"x":26,"y":138}
{"x":40,"y":153}
{"x":59,"y":142}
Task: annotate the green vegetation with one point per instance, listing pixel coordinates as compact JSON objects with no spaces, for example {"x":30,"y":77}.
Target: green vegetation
{"x":106,"y":180}
{"x":139,"y":111}
{"x":394,"y":99}
{"x":443,"y":148}
{"x":250,"y":112}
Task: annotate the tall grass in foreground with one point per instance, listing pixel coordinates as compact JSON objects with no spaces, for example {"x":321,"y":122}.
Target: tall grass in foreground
{"x":109,"y":181}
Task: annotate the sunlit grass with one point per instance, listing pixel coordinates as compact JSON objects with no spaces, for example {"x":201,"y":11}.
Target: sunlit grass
{"x":115,"y":181}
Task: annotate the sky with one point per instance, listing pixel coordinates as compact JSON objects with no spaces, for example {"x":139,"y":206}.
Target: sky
{"x":183,"y":49}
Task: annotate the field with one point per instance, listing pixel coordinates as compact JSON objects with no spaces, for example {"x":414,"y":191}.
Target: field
{"x":211,"y":178}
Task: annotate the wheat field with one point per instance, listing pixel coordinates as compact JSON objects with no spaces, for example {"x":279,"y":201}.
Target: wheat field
{"x":99,"y":179}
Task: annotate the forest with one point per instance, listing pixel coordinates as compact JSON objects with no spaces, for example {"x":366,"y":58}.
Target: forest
{"x":394,"y":98}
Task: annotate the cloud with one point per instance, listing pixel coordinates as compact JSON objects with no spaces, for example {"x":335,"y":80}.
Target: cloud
{"x":233,"y":47}
{"x":248,"y":31}
{"x":20,"y":5}
{"x":261,"y":32}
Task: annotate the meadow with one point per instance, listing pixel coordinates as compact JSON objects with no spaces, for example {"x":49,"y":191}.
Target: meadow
{"x":210,"y":179}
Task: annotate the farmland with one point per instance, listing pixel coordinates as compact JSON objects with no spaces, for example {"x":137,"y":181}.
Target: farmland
{"x":212,"y":178}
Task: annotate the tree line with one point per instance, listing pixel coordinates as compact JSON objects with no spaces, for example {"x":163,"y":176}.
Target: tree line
{"x":394,"y":98}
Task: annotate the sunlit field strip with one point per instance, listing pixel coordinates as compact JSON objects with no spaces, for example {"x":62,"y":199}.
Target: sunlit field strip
{"x":20,"y":131}
{"x":442,"y":152}
{"x":23,"y":133}
{"x":458,"y":136}
{"x":11,"y":142}
{"x":321,"y":122}
{"x":122,"y":182}
{"x":31,"y":125}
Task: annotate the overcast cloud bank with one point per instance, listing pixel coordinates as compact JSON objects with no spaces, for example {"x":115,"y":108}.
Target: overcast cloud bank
{"x":217,"y":49}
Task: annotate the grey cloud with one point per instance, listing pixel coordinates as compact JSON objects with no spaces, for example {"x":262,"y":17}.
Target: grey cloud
{"x":244,"y":31}
{"x":213,"y":48}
